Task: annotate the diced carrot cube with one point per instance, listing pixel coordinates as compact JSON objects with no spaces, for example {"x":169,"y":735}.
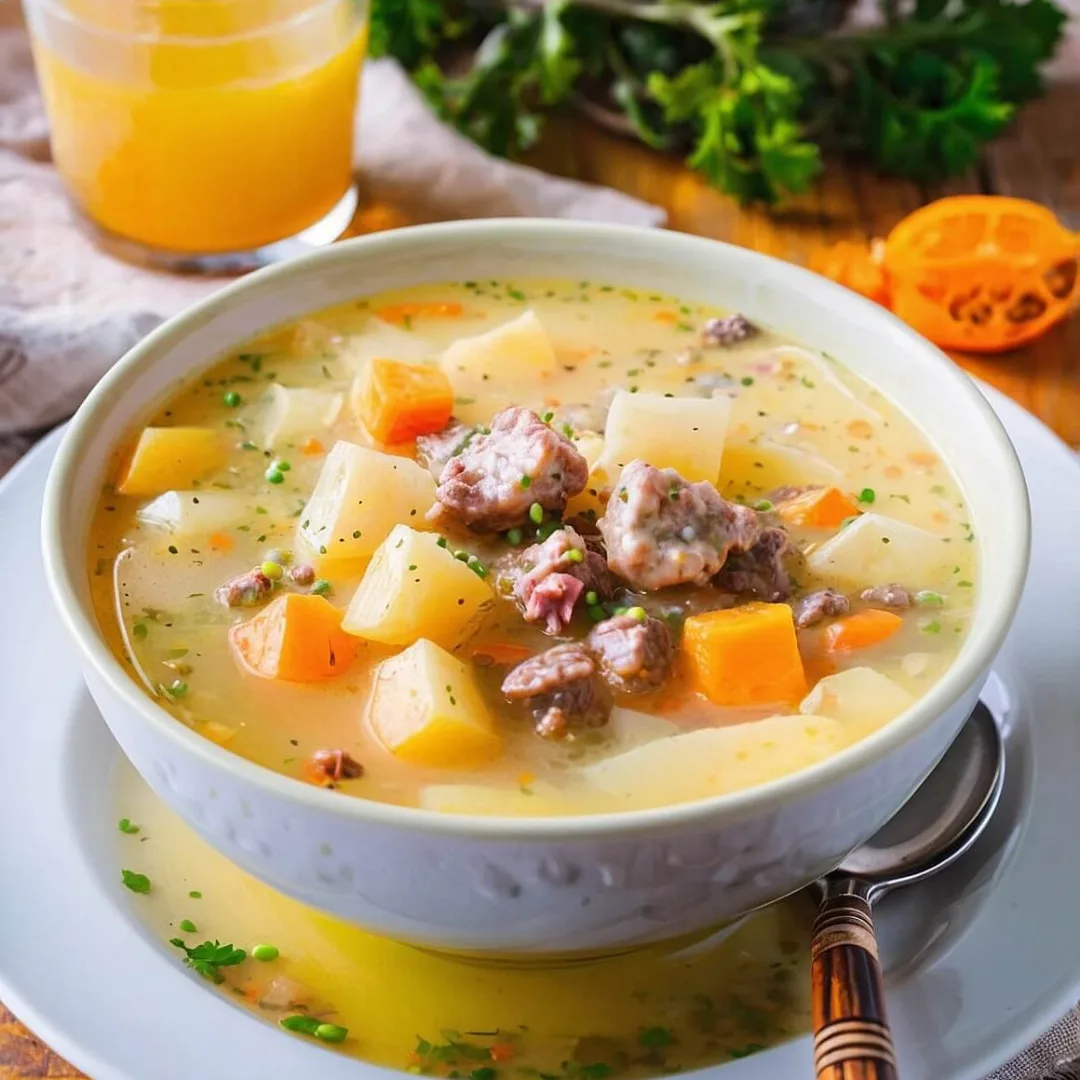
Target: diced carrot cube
{"x":403,"y":314}
{"x":297,"y":638}
{"x":821,"y":508}
{"x":747,"y":655}
{"x":861,"y":630}
{"x":396,"y":402}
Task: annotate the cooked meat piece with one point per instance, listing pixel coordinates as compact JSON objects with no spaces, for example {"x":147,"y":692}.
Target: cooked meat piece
{"x":819,"y":605}
{"x":434,"y":451}
{"x":729,"y":330}
{"x":327,"y":767}
{"x":493,"y":482}
{"x":890,"y":596}
{"x":635,"y":654}
{"x":552,"y":575}
{"x":661,"y":530}
{"x":761,"y":570}
{"x":563,"y":689}
{"x":245,"y":590}
{"x":303,"y":575}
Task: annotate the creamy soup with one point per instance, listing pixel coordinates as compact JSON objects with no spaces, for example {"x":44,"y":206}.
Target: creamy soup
{"x":663,"y":1009}
{"x":531,"y":548}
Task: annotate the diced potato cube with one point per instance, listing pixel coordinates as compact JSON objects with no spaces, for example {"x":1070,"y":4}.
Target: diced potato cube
{"x":361,"y":494}
{"x":516,"y":351}
{"x":414,"y":588}
{"x":751,"y":469}
{"x":686,"y":434}
{"x":172,"y":457}
{"x":380,"y":339}
{"x":194,"y":513}
{"x":297,"y":637}
{"x":715,"y":761}
{"x":627,"y":728}
{"x":426,"y":709}
{"x":747,"y":655}
{"x":860,"y":698}
{"x":537,"y":799}
{"x":876,"y":549}
{"x":294,"y":414}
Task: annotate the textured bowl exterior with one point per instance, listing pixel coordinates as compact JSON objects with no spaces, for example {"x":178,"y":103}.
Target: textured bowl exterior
{"x":564,"y":885}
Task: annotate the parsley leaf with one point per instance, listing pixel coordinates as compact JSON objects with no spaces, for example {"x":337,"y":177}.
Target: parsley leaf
{"x":209,"y":957}
{"x":137,"y":883}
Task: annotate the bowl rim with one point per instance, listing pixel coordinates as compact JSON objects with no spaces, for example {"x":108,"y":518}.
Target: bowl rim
{"x":992,"y":620}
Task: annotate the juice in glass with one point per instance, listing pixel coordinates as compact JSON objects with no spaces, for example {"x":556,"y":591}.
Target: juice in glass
{"x":203,"y":126}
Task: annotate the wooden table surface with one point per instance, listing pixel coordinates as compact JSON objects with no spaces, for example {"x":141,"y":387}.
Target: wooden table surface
{"x":1039,"y":159}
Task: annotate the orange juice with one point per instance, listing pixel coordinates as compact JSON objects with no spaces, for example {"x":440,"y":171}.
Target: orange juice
{"x":201,"y":125}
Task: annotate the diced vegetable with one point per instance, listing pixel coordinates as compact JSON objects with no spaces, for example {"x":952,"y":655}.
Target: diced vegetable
{"x":861,"y":698}
{"x":379,"y":338}
{"x":747,"y":655}
{"x":627,"y":728}
{"x":403,"y":314}
{"x":298,"y":637}
{"x":396,"y":402}
{"x":714,"y":761}
{"x":360,"y":496}
{"x":767,"y":464}
{"x":534,"y":799}
{"x":516,"y":351}
{"x":414,"y":588}
{"x":294,"y":414}
{"x":172,"y":457}
{"x":427,"y":710}
{"x":861,"y":630}
{"x":821,"y":508}
{"x":680,"y":433}
{"x":876,"y":549}
{"x":193,"y":513}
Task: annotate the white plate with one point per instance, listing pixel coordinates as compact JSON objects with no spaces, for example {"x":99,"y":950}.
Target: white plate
{"x":981,"y":960}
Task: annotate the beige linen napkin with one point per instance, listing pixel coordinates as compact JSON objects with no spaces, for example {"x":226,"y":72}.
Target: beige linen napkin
{"x":68,"y":311}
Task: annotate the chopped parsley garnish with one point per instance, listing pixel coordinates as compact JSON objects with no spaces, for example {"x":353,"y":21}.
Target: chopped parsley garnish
{"x":210,"y":957}
{"x":138,"y":883}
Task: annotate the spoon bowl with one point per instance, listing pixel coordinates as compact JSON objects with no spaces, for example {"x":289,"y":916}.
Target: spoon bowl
{"x":941,"y":821}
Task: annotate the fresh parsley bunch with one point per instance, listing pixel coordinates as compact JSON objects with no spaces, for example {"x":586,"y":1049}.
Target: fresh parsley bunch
{"x":757,"y":89}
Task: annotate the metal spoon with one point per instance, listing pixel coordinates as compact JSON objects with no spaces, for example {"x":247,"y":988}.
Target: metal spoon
{"x":940,"y":822}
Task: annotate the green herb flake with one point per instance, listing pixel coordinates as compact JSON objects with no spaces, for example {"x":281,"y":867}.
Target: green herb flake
{"x":210,"y":957}
{"x":128,"y":827}
{"x":137,"y":883}
{"x":188,"y":926}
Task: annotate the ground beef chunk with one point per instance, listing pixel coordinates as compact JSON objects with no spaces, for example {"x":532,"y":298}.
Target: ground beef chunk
{"x":550,"y":577}
{"x":562,"y":688}
{"x":761,"y":570}
{"x":434,"y":451}
{"x":493,"y":482}
{"x":890,"y":596}
{"x":245,"y":590}
{"x":327,"y":767}
{"x":303,"y":575}
{"x":820,"y":605}
{"x":727,"y":331}
{"x":661,"y":530}
{"x":635,"y":655}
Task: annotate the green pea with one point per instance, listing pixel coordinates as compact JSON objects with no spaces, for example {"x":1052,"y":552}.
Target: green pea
{"x":306,"y":1025}
{"x":575,"y":555}
{"x":597,"y":613}
{"x":591,"y":598}
{"x":526,"y":481}
{"x":274,"y":476}
{"x":638,"y":613}
{"x":331,"y":1033}
{"x":515,"y":536}
{"x":280,"y":464}
{"x":867,"y":495}
{"x":231,"y":398}
{"x":274,"y":571}
{"x":536,"y":513}
{"x":265,"y":952}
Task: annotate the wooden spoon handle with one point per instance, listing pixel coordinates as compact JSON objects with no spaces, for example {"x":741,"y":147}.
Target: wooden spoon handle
{"x":852,"y":1040}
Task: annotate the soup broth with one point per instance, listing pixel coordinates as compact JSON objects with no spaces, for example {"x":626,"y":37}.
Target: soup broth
{"x":745,"y":557}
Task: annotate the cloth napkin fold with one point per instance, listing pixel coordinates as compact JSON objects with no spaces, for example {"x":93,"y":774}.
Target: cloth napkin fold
{"x":69,"y":311}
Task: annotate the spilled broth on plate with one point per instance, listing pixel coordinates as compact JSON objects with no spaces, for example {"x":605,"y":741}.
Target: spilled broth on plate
{"x":531,"y":548}
{"x":667,"y":1008}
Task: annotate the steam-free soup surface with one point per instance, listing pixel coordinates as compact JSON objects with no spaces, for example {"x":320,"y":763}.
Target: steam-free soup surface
{"x":531,"y":548}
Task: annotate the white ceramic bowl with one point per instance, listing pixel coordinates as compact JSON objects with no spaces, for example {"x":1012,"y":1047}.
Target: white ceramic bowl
{"x":566,"y":884}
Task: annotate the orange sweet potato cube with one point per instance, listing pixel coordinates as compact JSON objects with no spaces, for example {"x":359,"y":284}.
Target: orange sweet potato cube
{"x":297,"y":638}
{"x":396,"y":401}
{"x":821,"y":508}
{"x":747,"y":655}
